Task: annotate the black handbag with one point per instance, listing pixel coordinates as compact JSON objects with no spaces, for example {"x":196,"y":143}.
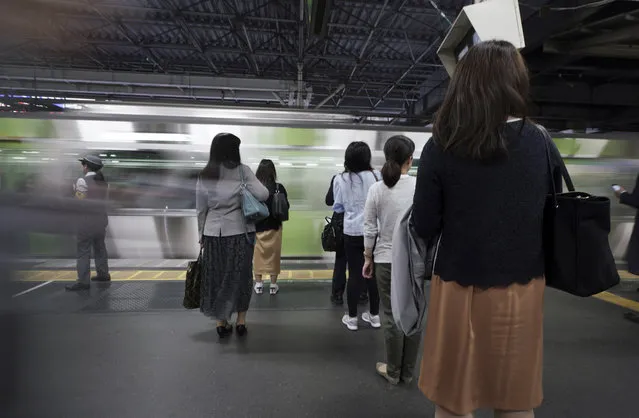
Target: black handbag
{"x":578,"y":258}
{"x":332,"y":236}
{"x":192,"y":284}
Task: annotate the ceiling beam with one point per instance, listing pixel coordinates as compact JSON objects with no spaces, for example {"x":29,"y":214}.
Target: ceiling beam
{"x":616,"y":36}
{"x":583,"y":93}
{"x":185,"y":29}
{"x":143,"y":79}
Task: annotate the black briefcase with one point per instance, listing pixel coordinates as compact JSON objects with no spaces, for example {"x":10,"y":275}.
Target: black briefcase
{"x":578,"y":257}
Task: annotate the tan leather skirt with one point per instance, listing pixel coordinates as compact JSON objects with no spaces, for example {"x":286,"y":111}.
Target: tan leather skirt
{"x":483,"y":348}
{"x":268,"y":252}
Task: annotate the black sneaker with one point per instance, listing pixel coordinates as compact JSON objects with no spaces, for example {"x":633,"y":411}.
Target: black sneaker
{"x":101,"y":278}
{"x":337,"y":300}
{"x":77,"y":286}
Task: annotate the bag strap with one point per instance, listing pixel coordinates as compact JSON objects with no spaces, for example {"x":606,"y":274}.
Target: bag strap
{"x":374,"y":175}
{"x":242,"y":178}
{"x":242,"y":191}
{"x":562,"y":166}
{"x":206,"y":215}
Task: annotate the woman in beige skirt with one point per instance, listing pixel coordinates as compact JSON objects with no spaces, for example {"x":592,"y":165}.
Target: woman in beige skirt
{"x":268,"y":244}
{"x":481,"y":188}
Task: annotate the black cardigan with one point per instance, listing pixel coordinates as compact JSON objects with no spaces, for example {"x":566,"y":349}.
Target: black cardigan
{"x":489,"y":214}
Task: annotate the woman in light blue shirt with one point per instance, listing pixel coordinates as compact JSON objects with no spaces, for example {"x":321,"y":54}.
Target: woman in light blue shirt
{"x":350,"y":189}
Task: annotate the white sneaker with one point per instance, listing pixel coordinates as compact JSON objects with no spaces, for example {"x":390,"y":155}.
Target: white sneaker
{"x":273,"y":289}
{"x":259,"y":288}
{"x":351,"y":323}
{"x":373,"y":320}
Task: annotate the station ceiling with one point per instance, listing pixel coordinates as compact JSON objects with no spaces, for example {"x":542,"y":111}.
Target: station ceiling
{"x":373,"y":58}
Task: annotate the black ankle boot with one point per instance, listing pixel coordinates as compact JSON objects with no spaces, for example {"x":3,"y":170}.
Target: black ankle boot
{"x":224,"y":330}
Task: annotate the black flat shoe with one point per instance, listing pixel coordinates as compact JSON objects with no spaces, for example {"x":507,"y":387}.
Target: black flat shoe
{"x":224,"y":330}
{"x":241,"y":330}
{"x":337,"y":300}
{"x":76,"y":287}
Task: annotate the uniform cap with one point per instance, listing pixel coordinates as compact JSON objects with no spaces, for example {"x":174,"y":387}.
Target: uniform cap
{"x":92,"y":161}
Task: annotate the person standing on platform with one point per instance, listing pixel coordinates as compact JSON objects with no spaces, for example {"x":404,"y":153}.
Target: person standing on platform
{"x":226,"y":238}
{"x":482,"y":183}
{"x":632,"y":200}
{"x":268,"y":245}
{"x":339,"y":268}
{"x":385,"y":203}
{"x":351,"y":189}
{"x":91,"y":230}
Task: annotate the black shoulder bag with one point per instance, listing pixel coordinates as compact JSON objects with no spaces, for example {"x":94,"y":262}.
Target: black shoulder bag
{"x":578,"y":257}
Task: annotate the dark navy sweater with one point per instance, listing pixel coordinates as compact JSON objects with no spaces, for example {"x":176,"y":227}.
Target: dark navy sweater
{"x":489,"y":214}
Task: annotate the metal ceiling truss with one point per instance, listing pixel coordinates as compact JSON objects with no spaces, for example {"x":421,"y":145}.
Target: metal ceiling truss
{"x":374,"y":57}
{"x":371,"y":57}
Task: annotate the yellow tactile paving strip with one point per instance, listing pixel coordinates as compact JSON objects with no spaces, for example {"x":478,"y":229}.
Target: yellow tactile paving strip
{"x":171,"y":275}
{"x":126,"y":275}
{"x":154,"y":275}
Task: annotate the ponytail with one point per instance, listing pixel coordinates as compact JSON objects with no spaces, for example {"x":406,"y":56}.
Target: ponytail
{"x":391,"y":173}
{"x":397,"y":150}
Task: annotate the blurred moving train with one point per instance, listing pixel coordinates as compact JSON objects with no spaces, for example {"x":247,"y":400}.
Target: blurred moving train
{"x":152,"y":156}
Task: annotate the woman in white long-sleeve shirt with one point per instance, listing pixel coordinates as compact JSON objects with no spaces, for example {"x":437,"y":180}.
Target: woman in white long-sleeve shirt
{"x":386,"y":201}
{"x":350,"y":189}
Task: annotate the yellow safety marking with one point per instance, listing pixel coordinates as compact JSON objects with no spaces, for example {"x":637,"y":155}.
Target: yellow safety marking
{"x":618,"y":300}
{"x":170,"y":275}
{"x":625,"y":275}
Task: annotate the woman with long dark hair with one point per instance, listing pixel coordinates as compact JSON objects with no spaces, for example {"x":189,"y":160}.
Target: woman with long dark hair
{"x":268,"y":245}
{"x":386,"y":201}
{"x":351,"y":188}
{"x":481,"y":188}
{"x":227,"y":239}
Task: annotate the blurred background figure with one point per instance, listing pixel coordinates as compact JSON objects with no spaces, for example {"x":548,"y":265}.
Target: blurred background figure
{"x":268,"y":244}
{"x":91,"y":231}
{"x":632,"y":200}
{"x":227,"y":239}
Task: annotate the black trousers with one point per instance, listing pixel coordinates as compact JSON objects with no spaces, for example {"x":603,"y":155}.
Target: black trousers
{"x":339,"y":272}
{"x":354,"y":248}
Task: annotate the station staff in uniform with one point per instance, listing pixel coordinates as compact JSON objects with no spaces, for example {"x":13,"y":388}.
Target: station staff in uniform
{"x":91,"y":229}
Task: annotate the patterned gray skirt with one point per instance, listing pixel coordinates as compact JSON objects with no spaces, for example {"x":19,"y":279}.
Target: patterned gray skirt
{"x":227,"y":279}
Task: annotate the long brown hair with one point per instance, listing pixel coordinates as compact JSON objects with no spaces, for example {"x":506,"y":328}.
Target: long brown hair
{"x":490,"y":84}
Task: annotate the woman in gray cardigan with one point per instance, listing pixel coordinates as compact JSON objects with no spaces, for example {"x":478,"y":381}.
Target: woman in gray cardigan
{"x":227,"y":239}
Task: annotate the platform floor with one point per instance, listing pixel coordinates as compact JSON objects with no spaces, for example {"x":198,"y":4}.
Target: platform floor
{"x":127,"y":349}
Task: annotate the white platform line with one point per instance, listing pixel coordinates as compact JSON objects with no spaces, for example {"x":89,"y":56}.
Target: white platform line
{"x":31,"y":289}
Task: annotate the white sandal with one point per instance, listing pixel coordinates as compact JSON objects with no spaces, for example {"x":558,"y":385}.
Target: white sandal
{"x":273,"y":289}
{"x":259,"y":288}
